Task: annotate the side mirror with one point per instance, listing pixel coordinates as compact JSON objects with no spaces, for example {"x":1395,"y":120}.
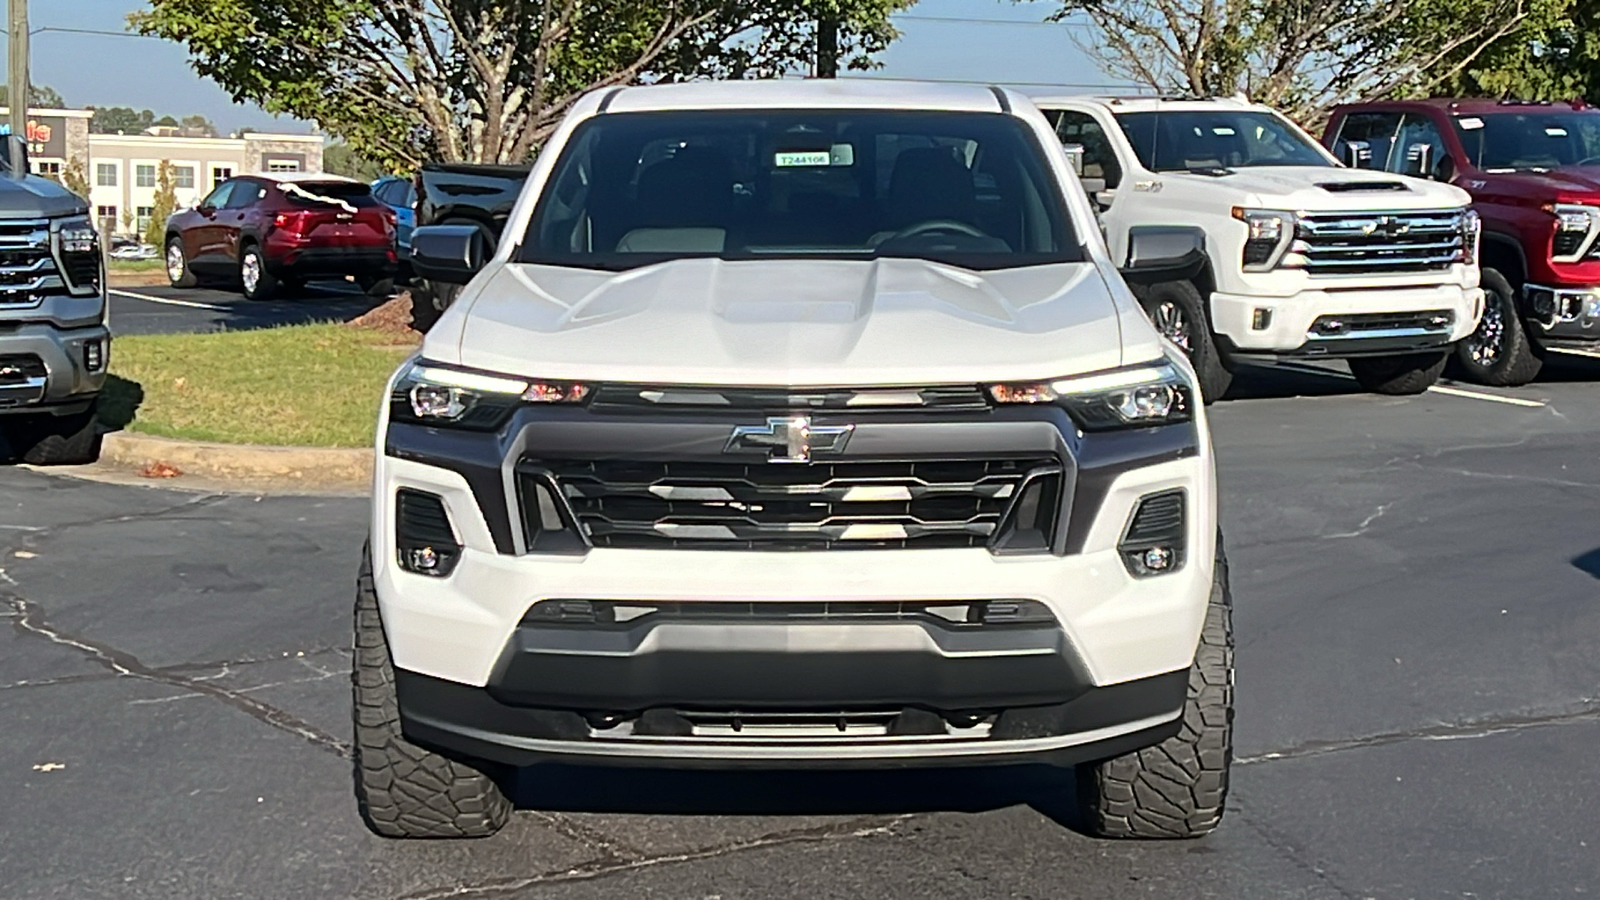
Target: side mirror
{"x":451,"y":254}
{"x":14,"y":148}
{"x":1418,"y":159}
{"x":1159,"y":253}
{"x":1358,"y":155}
{"x":205,"y":209}
{"x":1445,"y":170}
{"x":1074,"y":157}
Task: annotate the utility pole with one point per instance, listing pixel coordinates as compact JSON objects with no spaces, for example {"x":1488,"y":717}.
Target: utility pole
{"x":18,"y":82}
{"x":828,"y":42}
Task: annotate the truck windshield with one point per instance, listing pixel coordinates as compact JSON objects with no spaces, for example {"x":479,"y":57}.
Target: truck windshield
{"x":1181,"y":140}
{"x":1510,"y":142}
{"x":633,"y":189}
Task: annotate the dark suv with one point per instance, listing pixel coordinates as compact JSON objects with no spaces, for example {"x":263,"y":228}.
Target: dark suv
{"x":1533,"y":170}
{"x":263,"y":231}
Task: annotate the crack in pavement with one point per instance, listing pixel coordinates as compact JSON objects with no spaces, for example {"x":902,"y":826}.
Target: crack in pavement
{"x":1477,"y":728}
{"x":602,"y":867}
{"x":1285,"y":847}
{"x":27,"y":618}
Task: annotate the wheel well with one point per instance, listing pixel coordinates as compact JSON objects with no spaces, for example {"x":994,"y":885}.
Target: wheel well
{"x":1505,"y":257}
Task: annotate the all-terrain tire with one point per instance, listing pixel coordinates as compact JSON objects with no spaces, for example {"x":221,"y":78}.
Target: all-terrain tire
{"x":59,"y":440}
{"x":264,"y":285}
{"x":1407,"y":373}
{"x":1500,"y":352}
{"x":405,"y":791}
{"x":1179,"y":787}
{"x":1177,"y":310}
{"x":178,"y":272}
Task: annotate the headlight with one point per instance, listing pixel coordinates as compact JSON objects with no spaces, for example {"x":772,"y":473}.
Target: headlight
{"x":1270,"y":233}
{"x":1154,"y":393}
{"x":1471,"y":236}
{"x":1576,"y":226}
{"x":431,"y":394}
{"x":78,"y":252}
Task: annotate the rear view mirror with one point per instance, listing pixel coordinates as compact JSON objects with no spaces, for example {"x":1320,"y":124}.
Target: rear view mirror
{"x":1161,"y":253}
{"x":451,"y":254}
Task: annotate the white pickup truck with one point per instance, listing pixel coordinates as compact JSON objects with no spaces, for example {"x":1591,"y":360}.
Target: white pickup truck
{"x":1293,"y":255}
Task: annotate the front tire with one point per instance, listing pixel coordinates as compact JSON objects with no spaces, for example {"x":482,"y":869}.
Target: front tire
{"x":1178,"y":312}
{"x":57,"y":440}
{"x":405,"y":791}
{"x":178,"y":271}
{"x":1500,"y":352}
{"x":1407,"y":373}
{"x":254,"y":280}
{"x":1179,"y":787}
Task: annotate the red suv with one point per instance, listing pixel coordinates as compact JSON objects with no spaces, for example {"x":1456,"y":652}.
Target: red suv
{"x":266,"y":231}
{"x":1533,"y":170}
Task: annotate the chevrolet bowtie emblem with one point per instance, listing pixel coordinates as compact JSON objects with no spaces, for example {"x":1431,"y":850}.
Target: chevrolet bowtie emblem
{"x":791,"y":439}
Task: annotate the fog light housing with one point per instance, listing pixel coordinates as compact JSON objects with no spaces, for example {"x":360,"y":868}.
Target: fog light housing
{"x":1261,"y":319}
{"x":1153,"y":543}
{"x":425,"y":542}
{"x":94,"y":356}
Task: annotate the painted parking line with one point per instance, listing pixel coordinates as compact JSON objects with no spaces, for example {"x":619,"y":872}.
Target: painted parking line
{"x":169,"y":301}
{"x":1576,"y":351}
{"x":1480,"y":395}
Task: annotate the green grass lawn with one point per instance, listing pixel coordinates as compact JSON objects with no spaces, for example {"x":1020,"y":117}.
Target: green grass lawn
{"x":135,"y":265}
{"x":302,"y":385}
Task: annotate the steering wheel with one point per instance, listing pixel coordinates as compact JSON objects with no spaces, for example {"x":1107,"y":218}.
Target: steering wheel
{"x":927,"y":226}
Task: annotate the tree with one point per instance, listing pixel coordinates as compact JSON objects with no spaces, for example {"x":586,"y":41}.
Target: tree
{"x":340,"y":159}
{"x":166,"y":122}
{"x":75,"y":180}
{"x":120,"y":120}
{"x":165,"y":204}
{"x":1302,"y":56}
{"x":40,"y":96}
{"x":487,"y":80}
{"x":127,"y":221}
{"x":1559,"y":61}
{"x":198,"y":126}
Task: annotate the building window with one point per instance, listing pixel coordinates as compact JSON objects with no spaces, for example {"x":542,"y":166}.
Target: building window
{"x":144,"y":176}
{"x":105,"y":174}
{"x":141,"y":218}
{"x":183,"y":177}
{"x":107,"y":215}
{"x":48,"y":169}
{"x":283,"y":165}
{"x":219,"y":174}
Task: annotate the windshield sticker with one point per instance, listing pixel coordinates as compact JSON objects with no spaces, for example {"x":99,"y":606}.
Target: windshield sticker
{"x":1223,"y":130}
{"x":837,"y":155}
{"x":1470,"y":124}
{"x":1555,"y":131}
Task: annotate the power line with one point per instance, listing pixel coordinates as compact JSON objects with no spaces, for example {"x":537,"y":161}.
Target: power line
{"x":44,"y":29}
{"x":973,"y":20}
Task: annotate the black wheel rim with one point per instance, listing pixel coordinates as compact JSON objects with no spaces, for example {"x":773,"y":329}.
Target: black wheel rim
{"x":1171,"y":321}
{"x":1486,"y":345}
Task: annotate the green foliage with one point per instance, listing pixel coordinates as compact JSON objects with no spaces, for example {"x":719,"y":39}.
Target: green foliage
{"x":339,"y":159}
{"x":114,"y":119}
{"x":165,"y":204}
{"x":74,"y":179}
{"x":40,"y":96}
{"x":486,"y":80}
{"x":1559,"y":60}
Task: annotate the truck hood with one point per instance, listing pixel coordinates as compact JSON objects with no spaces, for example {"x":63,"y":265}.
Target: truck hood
{"x":1574,"y":185}
{"x":784,"y":322}
{"x":33,"y":198}
{"x":1331,"y":189}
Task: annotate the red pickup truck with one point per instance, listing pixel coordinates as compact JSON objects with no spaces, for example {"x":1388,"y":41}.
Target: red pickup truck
{"x":1533,"y":170}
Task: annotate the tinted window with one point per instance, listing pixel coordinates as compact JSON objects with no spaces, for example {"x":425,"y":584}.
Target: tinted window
{"x":1177,"y":140}
{"x":1549,"y":140}
{"x":325,"y":193}
{"x":245,"y":193}
{"x":218,"y":198}
{"x":632,"y":189}
{"x":1374,"y":129}
{"x":1099,"y":159}
{"x":1418,"y":149}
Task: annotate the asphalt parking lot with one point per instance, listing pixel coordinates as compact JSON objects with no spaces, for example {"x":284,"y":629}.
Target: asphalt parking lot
{"x":167,"y":310}
{"x":1417,"y":590}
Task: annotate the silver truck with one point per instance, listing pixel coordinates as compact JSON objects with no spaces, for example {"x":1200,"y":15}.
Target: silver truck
{"x":54,"y":341}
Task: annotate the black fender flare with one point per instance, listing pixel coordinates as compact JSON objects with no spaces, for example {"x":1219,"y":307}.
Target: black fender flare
{"x":1158,"y":253}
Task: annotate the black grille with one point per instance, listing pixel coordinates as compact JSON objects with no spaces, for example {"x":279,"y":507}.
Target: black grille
{"x":1357,"y":323}
{"x":421,"y":519}
{"x":17,"y":368}
{"x":1364,"y":243}
{"x":658,"y":397}
{"x":27,"y":270}
{"x":1566,"y":243}
{"x":765,"y":506}
{"x":1159,"y":518}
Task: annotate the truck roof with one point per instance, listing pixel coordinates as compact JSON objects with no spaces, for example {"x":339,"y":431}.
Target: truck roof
{"x":1470,"y":105}
{"x":1146,"y":102}
{"x":810,"y":93}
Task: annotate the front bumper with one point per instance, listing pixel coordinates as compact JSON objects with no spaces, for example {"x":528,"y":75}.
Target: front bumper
{"x":310,"y":261}
{"x":1286,"y":327}
{"x":1565,"y":315}
{"x":787,"y":639}
{"x":67,"y":384}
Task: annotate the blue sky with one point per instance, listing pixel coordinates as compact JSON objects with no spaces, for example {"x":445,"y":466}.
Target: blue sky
{"x":95,"y":70}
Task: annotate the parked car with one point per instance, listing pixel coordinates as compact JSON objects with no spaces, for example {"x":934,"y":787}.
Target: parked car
{"x":135,"y":250}
{"x":1293,"y":256}
{"x":54,"y":339}
{"x":1533,"y":170}
{"x":265,"y":231}
{"x":400,"y":195}
{"x":461,"y":194}
{"x":801,"y":424}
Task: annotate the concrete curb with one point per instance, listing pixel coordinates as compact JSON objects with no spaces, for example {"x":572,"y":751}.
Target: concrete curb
{"x":251,"y":465}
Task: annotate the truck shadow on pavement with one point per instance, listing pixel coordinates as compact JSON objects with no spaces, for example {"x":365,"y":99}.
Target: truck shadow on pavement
{"x":1049,"y":790}
{"x":1588,"y":563}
